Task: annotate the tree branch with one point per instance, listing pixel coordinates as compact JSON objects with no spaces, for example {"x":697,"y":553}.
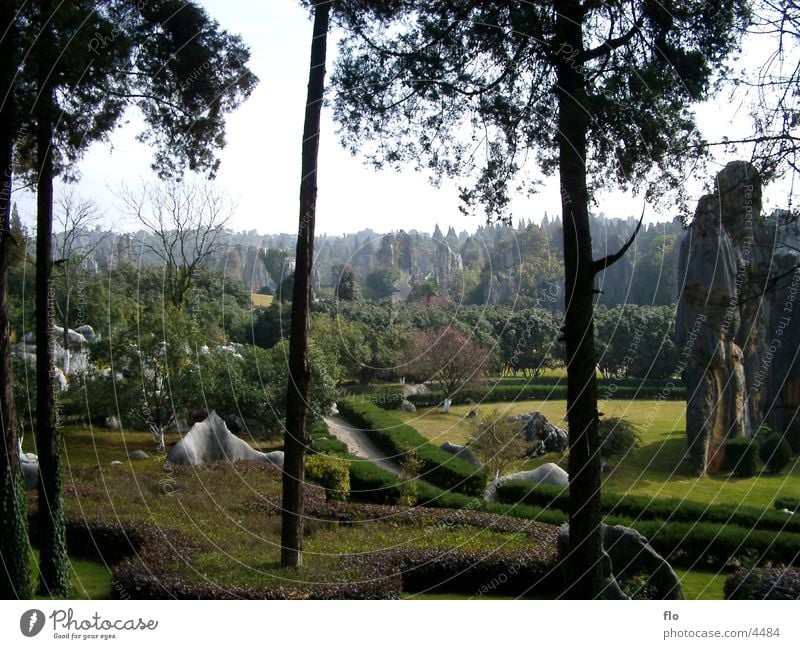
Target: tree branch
{"x":600,"y":264}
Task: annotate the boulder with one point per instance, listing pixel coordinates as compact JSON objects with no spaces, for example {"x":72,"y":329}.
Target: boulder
{"x":138,"y":455}
{"x":473,"y":413}
{"x":74,"y":339}
{"x":544,"y":436}
{"x":88,"y":333}
{"x":29,"y":463}
{"x":407,"y":406}
{"x":627,"y":554}
{"x":549,"y":473}
{"x":113,"y":423}
{"x":464,"y":452}
{"x":211,"y":441}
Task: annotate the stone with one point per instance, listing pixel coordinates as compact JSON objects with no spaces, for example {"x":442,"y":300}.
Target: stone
{"x":549,"y":473}
{"x":542,"y":435}
{"x":113,"y":423}
{"x":407,"y":406}
{"x":74,"y":339}
{"x":116,"y":463}
{"x":472,"y":414}
{"x":630,"y":555}
{"x":446,"y":405}
{"x":138,"y":455}
{"x":735,"y":322}
{"x":464,"y":452}
{"x":88,"y":333}
{"x":211,"y":441}
{"x":29,"y":463}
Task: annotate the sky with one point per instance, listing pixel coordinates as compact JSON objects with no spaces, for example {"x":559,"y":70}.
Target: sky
{"x":260,"y":168}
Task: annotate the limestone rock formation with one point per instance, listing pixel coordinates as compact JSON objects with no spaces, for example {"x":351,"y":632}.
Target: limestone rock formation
{"x":211,"y":441}
{"x":464,"y":452}
{"x":546,"y":437}
{"x":738,"y":277}
{"x":549,"y":473}
{"x":627,"y":554}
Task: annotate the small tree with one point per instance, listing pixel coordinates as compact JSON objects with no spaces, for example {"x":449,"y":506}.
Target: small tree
{"x":449,"y":356}
{"x":498,"y":441}
{"x":73,"y":217}
{"x":346,"y":285}
{"x":187,"y":225}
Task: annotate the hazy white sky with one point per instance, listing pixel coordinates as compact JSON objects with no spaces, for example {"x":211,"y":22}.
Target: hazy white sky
{"x":261,"y":163}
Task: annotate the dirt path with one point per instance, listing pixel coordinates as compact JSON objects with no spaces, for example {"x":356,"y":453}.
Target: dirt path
{"x":358,"y":443}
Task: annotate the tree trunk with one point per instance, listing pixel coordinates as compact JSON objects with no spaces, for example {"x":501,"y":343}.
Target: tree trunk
{"x":296,"y":438}
{"x":584,"y":563}
{"x":15,"y":582}
{"x":53,"y":564}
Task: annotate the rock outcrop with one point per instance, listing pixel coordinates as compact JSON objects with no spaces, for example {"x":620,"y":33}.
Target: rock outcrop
{"x":738,"y":277}
{"x":211,"y":441}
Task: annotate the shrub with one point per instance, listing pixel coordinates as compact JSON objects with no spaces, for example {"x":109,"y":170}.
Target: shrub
{"x":792,"y":504}
{"x":396,"y":439}
{"x":764,"y":583}
{"x":333,"y":473}
{"x":775,"y":453}
{"x":741,"y":456}
{"x":618,"y":437}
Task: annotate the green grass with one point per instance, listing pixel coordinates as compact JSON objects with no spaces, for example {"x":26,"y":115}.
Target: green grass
{"x":88,"y":579}
{"x":659,"y":469}
{"x":261,"y":300}
{"x":698,"y":584}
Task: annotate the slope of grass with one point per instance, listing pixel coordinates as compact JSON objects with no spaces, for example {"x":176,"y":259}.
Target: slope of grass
{"x":88,"y":579}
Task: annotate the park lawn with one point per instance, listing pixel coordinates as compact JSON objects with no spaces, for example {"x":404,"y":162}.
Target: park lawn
{"x":232,"y":514}
{"x":88,"y":579}
{"x":699,"y":584}
{"x":259,"y":300}
{"x":658,"y":469}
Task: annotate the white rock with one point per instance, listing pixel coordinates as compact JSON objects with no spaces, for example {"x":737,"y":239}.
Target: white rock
{"x":211,"y":441}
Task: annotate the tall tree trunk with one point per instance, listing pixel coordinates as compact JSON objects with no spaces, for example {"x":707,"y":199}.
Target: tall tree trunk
{"x":584,"y":563}
{"x":15,"y":579}
{"x":53,"y":564}
{"x":296,"y":438}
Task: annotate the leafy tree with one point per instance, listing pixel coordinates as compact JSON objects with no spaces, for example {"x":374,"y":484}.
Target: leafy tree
{"x":275,"y":261}
{"x":448,"y":356}
{"x":346,"y":284}
{"x":87,"y":62}
{"x":381,"y":283}
{"x":621,"y":77}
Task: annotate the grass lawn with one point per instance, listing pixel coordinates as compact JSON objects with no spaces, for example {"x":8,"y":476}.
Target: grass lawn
{"x":232,"y":514}
{"x":88,"y":579}
{"x":698,"y":584}
{"x":658,"y":469}
{"x":257,"y":299}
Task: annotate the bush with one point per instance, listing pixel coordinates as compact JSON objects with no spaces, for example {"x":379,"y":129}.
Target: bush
{"x":741,"y":456}
{"x":396,"y":439}
{"x":775,"y":453}
{"x":618,"y":437}
{"x":333,"y":473}
{"x":792,"y":504}
{"x":542,"y":390}
{"x":764,"y":583}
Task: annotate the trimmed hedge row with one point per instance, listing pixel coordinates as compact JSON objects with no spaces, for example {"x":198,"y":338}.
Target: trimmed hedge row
{"x":538,"y":391}
{"x":632,"y":507}
{"x":395,"y":438}
{"x":714,"y":545}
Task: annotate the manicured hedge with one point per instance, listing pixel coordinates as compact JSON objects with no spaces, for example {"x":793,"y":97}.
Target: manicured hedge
{"x":539,"y":391}
{"x":646,"y":508}
{"x":714,"y":545}
{"x":397,"y":439}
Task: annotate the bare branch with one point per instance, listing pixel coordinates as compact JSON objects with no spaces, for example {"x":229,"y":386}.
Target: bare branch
{"x":600,"y":264}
